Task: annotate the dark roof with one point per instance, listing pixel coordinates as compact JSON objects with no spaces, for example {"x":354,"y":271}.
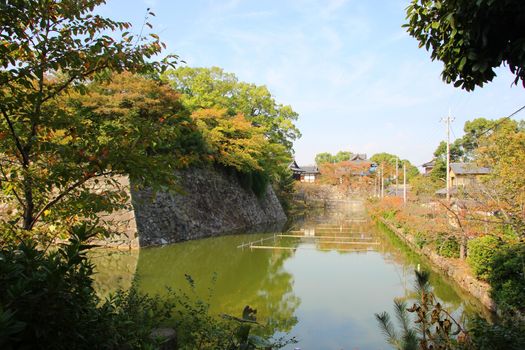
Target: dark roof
{"x":294,"y":167}
{"x":357,"y":157}
{"x":443,"y":191}
{"x":432,"y":163}
{"x":310,"y":169}
{"x":307,"y":169}
{"x":468,"y":169}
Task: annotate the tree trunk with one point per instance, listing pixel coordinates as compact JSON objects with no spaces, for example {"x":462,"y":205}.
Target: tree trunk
{"x":463,"y":248}
{"x":29,"y":209}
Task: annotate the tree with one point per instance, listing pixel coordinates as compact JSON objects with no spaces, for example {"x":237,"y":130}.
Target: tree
{"x":324,"y":157}
{"x":503,"y":190}
{"x":388,"y":161}
{"x":471,"y":38}
{"x":439,"y":172}
{"x":51,"y":49}
{"x":474,"y":130}
{"x":214,"y":88}
{"x":341,"y":156}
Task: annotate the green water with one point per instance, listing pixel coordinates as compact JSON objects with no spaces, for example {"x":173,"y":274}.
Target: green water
{"x":324,"y":291}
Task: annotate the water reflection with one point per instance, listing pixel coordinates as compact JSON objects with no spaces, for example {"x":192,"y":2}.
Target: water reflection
{"x":321,"y":281}
{"x":113,"y":269}
{"x":241,"y":277}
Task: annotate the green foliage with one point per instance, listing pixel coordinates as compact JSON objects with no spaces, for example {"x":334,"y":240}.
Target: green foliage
{"x":389,"y":214}
{"x":50,"y":147}
{"x":242,"y":125}
{"x":447,"y":247}
{"x":424,"y":185}
{"x":384,"y":158}
{"x":388,"y":161}
{"x":481,"y":255}
{"x":471,"y":38}
{"x":502,"y":264}
{"x":507,"y":277}
{"x":324,"y":157}
{"x":47,"y":301}
{"x":212,"y":88}
{"x":506,"y":334}
{"x":198,"y":329}
{"x":284,"y":188}
{"x":474,"y":131}
{"x":255,"y":181}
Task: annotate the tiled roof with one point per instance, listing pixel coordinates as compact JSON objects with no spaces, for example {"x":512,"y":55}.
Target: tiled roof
{"x":311,"y":169}
{"x":468,"y":169}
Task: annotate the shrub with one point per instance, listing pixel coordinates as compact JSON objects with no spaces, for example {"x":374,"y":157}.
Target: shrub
{"x":447,"y":247}
{"x":507,"y":334}
{"x":47,"y":301}
{"x":507,"y":277}
{"x":481,"y":253}
{"x":420,"y":239}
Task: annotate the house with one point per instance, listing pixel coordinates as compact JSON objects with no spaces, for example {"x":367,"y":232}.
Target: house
{"x":308,"y":173}
{"x":466,"y":174}
{"x":428,"y":166}
{"x":463,"y":175}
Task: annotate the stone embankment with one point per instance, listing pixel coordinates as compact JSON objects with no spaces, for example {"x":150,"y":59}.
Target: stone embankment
{"x":212,"y":202}
{"x":313,"y":195}
{"x":454,"y":269}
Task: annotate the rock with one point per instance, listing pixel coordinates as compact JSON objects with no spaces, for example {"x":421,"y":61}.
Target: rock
{"x":167,"y":338}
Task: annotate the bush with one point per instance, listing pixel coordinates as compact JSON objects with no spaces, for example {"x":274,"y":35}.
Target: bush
{"x":47,"y":301}
{"x":507,"y":277}
{"x":481,"y":253}
{"x":507,"y":334}
{"x":447,"y":247}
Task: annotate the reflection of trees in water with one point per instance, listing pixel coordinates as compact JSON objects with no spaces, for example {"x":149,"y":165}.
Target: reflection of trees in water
{"x":405,"y":260}
{"x":243,"y":277}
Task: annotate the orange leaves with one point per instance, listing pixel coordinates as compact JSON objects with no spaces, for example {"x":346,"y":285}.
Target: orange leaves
{"x":127,"y":92}
{"x":232,"y":140}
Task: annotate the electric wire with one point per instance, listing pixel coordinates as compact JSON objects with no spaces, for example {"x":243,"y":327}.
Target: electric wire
{"x":502,"y":120}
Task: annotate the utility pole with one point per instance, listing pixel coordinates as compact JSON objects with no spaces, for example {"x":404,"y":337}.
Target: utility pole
{"x":397,"y":183}
{"x":447,"y":121}
{"x":382,"y":181}
{"x":375,"y":185}
{"x":404,"y":183}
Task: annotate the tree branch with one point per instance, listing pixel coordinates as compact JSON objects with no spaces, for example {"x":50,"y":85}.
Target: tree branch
{"x":24,"y":160}
{"x":63,"y":194}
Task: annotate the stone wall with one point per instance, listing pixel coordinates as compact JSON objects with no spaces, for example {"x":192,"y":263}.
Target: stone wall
{"x":458,"y":272}
{"x":212,"y":202}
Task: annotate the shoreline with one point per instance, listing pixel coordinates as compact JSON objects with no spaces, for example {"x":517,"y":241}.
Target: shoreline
{"x":457,"y":272}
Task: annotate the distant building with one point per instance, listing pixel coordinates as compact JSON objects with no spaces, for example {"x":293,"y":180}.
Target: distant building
{"x":466,"y":174}
{"x":308,"y":173}
{"x":463,"y":175}
{"x":428,"y":166}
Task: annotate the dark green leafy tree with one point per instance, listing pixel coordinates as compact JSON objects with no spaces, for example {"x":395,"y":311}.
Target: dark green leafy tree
{"x":471,"y":38}
{"x":50,"y":147}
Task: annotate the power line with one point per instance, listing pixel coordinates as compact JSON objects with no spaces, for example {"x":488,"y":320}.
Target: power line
{"x":501,"y":121}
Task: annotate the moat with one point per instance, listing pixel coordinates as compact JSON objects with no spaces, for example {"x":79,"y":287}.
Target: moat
{"x":321,"y":281}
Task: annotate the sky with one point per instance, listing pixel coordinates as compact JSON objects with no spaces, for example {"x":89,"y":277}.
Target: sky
{"x":358,"y":81}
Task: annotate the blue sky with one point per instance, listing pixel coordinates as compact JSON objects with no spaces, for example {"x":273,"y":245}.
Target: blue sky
{"x":357,"y":80}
